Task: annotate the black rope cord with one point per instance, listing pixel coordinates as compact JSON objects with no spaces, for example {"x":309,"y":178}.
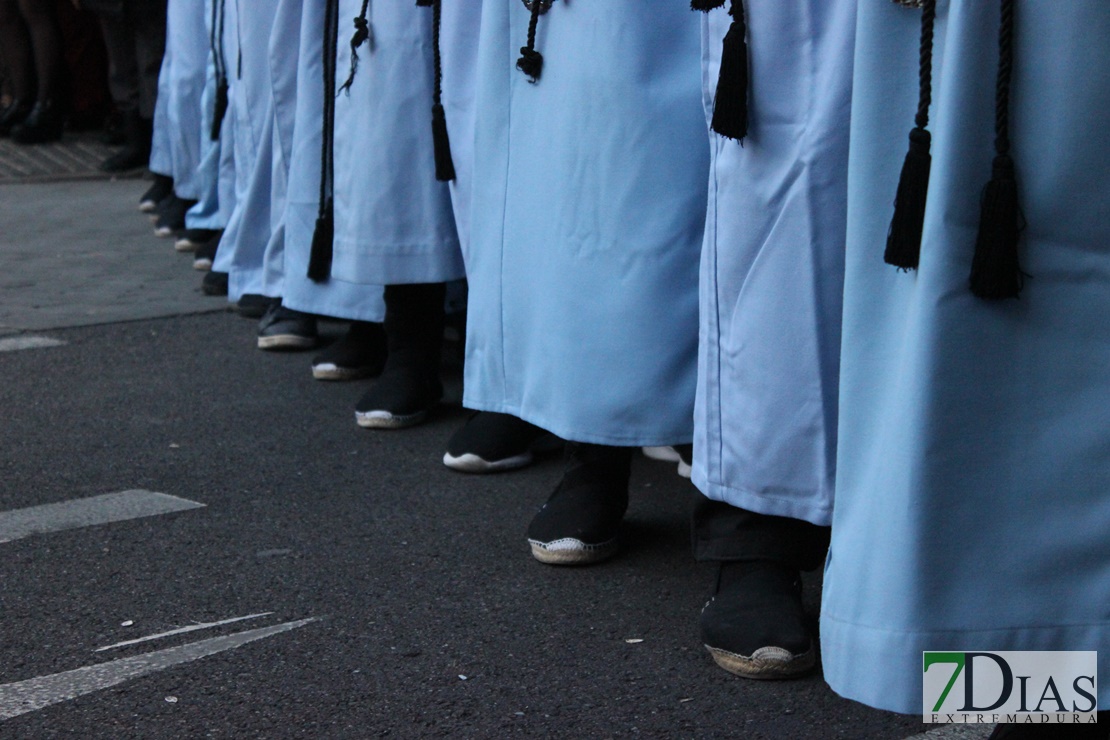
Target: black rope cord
{"x":445,"y":167}
{"x":531,"y":61}
{"x":1002,"y":86}
{"x":219,"y":62}
{"x":925,"y":64}
{"x":319,"y":262}
{"x":995,"y":270}
{"x":362,"y":34}
{"x":903,"y":241}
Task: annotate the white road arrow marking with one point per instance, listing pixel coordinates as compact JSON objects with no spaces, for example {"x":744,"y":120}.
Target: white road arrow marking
{"x":181,"y":630}
{"x":12,"y":344}
{"x":33,"y":694}
{"x":88,"y":512}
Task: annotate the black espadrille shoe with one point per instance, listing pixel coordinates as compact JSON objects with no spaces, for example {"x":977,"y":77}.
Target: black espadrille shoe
{"x":360,"y":353}
{"x":755,"y":625}
{"x":579,"y":523}
{"x":490,"y":442}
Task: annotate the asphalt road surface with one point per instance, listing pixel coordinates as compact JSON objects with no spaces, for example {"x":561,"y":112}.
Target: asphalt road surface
{"x":198,"y":541}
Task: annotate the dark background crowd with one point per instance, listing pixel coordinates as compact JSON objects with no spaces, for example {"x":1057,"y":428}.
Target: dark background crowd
{"x":81,"y":65}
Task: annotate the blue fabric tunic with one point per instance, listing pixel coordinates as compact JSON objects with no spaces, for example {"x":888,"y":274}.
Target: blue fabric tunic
{"x":250,"y":114}
{"x":973,"y":473}
{"x":175,"y":149}
{"x":588,"y":207}
{"x":216,"y":172}
{"x":393,"y":220}
{"x":459,"y":32}
{"x":335,"y":298}
{"x":773,"y":264}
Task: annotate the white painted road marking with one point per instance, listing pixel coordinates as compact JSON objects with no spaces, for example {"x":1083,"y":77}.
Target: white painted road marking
{"x":11,"y":344}
{"x":33,"y":694}
{"x":88,"y":512}
{"x":180,"y":631}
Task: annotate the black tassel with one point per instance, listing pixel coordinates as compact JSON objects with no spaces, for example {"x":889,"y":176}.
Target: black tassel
{"x":705,"y":5}
{"x":220,"y":109}
{"x":445,"y":167}
{"x":441,"y":142}
{"x":903,"y":240}
{"x":995,"y":271}
{"x":730,"y":106}
{"x":320,"y":252}
{"x":319,"y":260}
{"x":531,"y":61}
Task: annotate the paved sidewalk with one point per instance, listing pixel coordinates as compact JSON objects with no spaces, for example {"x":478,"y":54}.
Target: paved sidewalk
{"x":77,"y":156}
{"x":79,"y":253}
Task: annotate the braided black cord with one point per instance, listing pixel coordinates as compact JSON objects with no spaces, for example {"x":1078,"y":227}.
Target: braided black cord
{"x":533,"y":23}
{"x":437,"y":58}
{"x":362,"y":33}
{"x":531,"y":61}
{"x":925,"y":65}
{"x":331,"y":40}
{"x":1005,"y":72}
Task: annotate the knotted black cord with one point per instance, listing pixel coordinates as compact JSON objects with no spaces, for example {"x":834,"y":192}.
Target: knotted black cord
{"x":361,"y":35}
{"x":531,"y":61}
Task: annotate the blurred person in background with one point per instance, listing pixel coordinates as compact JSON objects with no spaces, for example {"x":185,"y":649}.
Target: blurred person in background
{"x":135,"y":38}
{"x":31,"y":43}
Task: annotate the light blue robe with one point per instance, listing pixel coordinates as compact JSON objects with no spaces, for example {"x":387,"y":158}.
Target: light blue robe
{"x":773,"y":264}
{"x":335,"y":298}
{"x":393,"y":220}
{"x":250,"y":114}
{"x":459,"y":31}
{"x":588,"y":207}
{"x":973,"y":474}
{"x":215,"y":171}
{"x":175,"y":148}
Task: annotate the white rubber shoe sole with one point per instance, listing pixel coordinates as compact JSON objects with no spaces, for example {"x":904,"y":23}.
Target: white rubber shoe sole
{"x":468,"y":462}
{"x":286,"y":341}
{"x":666,"y":454}
{"x":387,"y":420}
{"x":569,"y":551}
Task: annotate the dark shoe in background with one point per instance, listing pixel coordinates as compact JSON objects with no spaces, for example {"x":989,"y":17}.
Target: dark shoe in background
{"x":136,"y":146}
{"x":214,"y":283}
{"x":360,"y":353}
{"x":171,"y":216}
{"x":190,"y":240}
{"x":285,"y":329}
{"x":254,"y":306}
{"x":42,"y":125}
{"x":12,"y":115}
{"x":206,"y":253}
{"x":159,"y":190}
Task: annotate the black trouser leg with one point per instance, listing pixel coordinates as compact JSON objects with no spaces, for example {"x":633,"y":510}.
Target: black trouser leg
{"x":722,"y":532}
